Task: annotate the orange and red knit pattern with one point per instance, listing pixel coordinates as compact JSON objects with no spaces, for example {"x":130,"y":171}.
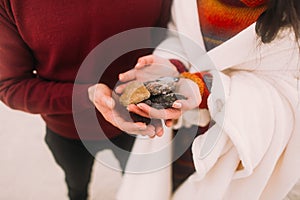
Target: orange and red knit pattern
{"x":222,"y":19}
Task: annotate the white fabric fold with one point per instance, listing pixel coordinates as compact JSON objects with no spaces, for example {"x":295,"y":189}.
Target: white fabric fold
{"x":148,"y":177}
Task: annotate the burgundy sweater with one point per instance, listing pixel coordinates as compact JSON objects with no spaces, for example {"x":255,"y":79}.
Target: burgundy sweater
{"x":43,"y":44}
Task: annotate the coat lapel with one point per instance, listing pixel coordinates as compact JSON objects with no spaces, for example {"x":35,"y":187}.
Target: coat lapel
{"x":235,"y":51}
{"x":187,"y":20}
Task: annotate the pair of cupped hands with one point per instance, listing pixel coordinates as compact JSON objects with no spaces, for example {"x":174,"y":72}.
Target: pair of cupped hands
{"x":148,"y":68}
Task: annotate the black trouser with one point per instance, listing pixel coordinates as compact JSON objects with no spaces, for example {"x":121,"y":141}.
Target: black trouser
{"x":77,"y":162}
{"x":183,"y":165}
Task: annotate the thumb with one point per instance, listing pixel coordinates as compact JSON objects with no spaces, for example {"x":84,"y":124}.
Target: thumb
{"x":109,"y":102}
{"x":185,"y":105}
{"x":104,"y":95}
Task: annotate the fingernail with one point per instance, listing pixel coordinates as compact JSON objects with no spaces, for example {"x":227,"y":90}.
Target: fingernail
{"x":121,"y":76}
{"x":140,"y":106}
{"x":137,"y":64}
{"x":128,"y":108}
{"x":117,"y":90}
{"x":177,"y":105}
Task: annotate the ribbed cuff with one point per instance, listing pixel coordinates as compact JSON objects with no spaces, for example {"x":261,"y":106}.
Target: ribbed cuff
{"x":179,"y":65}
{"x":80,"y":99}
{"x":205,"y":94}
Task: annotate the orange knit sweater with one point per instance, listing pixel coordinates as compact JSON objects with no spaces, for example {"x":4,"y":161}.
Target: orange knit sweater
{"x":222,"y":19}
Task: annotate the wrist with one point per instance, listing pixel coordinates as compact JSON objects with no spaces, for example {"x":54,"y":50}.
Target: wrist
{"x":198,"y":79}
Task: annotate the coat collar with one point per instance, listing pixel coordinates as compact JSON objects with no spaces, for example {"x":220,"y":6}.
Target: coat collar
{"x":239,"y":49}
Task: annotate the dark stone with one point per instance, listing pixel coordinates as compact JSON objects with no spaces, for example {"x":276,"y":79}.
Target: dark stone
{"x":163,"y":85}
{"x":163,"y":101}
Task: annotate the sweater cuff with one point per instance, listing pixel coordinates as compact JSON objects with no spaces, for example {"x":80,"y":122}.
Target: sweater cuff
{"x":81,"y":99}
{"x":203,"y":104}
{"x":179,"y":65}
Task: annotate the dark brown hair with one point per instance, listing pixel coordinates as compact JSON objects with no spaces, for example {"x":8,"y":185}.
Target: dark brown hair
{"x":279,"y":14}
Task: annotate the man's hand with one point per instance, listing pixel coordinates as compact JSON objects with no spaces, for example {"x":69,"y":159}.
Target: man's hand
{"x":102,"y":97}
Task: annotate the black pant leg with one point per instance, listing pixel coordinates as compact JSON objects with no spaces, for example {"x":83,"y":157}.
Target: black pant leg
{"x":124,"y":142}
{"x":183,"y":166}
{"x":76,"y":162}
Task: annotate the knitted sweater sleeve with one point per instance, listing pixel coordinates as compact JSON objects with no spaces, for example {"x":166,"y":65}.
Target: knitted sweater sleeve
{"x":20,"y":87}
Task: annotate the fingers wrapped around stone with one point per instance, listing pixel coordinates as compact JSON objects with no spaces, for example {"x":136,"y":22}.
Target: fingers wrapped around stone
{"x":159,"y":94}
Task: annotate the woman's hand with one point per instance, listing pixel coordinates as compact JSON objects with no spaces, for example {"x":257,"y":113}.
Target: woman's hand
{"x":186,"y":87}
{"x":102,"y":97}
{"x":148,"y":68}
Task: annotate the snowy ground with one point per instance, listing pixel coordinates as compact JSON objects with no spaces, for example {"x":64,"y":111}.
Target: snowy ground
{"x":27,"y":168}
